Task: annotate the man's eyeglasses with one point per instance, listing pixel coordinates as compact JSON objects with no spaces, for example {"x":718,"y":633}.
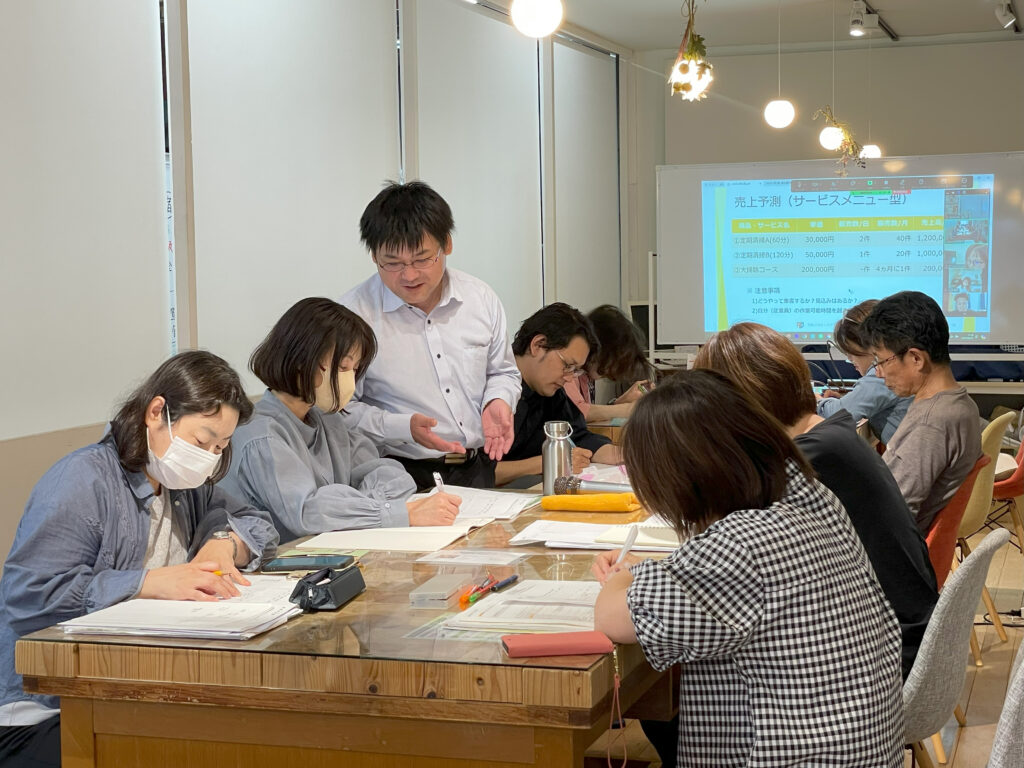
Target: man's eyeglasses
{"x":879,"y":363}
{"x":569,"y":369}
{"x":420,"y":264}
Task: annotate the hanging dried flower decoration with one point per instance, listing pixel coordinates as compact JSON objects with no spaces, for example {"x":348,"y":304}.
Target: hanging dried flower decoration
{"x":691,"y":73}
{"x":849,"y":148}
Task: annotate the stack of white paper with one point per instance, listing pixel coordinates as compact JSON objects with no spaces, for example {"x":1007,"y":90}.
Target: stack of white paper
{"x":559,"y":535}
{"x":478,"y":504}
{"x":422,"y":538}
{"x":652,"y":536}
{"x":605,"y":473}
{"x":262,"y":606}
{"x":533,"y":606}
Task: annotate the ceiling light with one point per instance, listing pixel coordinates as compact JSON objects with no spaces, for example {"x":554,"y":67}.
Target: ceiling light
{"x":1005,"y":15}
{"x":830,"y":137}
{"x":870,"y":151}
{"x":536,"y":18}
{"x":691,"y":72}
{"x":779,"y":113}
{"x":857,"y":18}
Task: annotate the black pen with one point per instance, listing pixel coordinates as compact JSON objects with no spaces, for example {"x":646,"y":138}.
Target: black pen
{"x":504,"y":582}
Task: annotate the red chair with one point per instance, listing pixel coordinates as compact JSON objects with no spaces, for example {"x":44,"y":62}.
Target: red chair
{"x":1005,"y":494}
{"x":942,"y":534}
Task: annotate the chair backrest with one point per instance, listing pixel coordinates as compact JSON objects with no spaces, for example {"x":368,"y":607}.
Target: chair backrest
{"x":1008,"y":744}
{"x":1012,"y":486}
{"x":980,"y":502}
{"x":945,"y":529}
{"x":937,"y":677}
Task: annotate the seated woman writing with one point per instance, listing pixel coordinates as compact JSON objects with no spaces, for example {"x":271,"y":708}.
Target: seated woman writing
{"x":869,"y":399}
{"x":620,"y":357}
{"x":792,"y":653}
{"x":134,"y":515}
{"x":296,"y":458}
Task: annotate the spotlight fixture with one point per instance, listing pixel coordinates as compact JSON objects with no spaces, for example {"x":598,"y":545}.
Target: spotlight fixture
{"x":857,"y":18}
{"x":1004,"y":15}
{"x":536,"y":18}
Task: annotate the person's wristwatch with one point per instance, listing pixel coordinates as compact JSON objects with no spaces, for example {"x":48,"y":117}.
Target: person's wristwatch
{"x":221,"y":535}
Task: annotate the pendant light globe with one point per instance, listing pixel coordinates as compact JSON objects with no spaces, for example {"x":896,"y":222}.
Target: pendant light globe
{"x":830,"y":137}
{"x":779,"y":113}
{"x":536,"y":18}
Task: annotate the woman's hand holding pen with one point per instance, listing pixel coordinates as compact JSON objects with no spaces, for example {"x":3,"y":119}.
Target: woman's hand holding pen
{"x":436,"y":509}
{"x":634,"y":393}
{"x":607,"y":563}
{"x":223,"y":552}
{"x":198,"y":580}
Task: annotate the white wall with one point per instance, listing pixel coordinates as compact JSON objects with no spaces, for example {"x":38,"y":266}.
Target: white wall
{"x":83,"y":292}
{"x":924,"y":100}
{"x":294,"y":129}
{"x":586,"y":153}
{"x":475,"y":130}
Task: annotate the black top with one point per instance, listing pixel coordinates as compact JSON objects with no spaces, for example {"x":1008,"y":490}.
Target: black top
{"x":533,"y":410}
{"x":855,"y":473}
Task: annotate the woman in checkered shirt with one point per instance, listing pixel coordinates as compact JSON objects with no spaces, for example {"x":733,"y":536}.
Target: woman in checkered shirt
{"x":792,"y":652}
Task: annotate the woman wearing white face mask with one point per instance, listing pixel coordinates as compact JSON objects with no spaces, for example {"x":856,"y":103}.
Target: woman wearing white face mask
{"x":296,"y":458}
{"x":130,"y":516}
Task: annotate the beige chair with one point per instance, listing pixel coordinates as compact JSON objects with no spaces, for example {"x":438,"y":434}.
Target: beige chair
{"x":976,"y":514}
{"x":937,"y":678}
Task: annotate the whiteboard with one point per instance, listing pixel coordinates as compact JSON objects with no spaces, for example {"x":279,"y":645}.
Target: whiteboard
{"x":792,"y":244}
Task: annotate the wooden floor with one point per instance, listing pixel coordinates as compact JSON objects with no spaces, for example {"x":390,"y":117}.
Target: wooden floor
{"x":982,"y":698}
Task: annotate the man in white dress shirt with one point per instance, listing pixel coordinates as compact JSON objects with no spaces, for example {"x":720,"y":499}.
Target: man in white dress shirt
{"x":440,"y":394}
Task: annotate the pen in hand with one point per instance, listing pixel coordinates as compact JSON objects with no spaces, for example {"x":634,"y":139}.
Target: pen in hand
{"x":438,"y":482}
{"x":627,"y":544}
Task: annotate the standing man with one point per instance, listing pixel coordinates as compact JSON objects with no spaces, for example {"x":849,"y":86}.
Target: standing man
{"x":440,"y":393}
{"x":551,"y":347}
{"x":939,"y":439}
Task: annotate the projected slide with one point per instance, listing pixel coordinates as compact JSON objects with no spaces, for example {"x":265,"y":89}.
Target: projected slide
{"x":795,"y":253}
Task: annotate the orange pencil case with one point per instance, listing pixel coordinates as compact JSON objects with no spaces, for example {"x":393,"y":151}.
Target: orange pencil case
{"x":556,"y":644}
{"x":592,"y":502}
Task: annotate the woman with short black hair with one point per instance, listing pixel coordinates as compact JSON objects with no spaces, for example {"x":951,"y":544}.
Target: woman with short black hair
{"x":134,"y":515}
{"x":792,"y":652}
{"x":296,"y":458}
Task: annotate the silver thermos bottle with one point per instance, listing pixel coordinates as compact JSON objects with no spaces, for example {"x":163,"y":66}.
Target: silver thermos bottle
{"x":556,"y":455}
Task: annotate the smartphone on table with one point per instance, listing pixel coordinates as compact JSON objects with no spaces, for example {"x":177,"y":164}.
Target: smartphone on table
{"x":307,"y":563}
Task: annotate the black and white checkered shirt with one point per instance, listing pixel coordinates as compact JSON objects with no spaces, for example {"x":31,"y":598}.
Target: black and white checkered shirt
{"x":792,"y":652}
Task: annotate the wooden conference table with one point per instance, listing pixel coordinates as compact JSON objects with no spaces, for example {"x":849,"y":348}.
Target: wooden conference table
{"x":342,"y":688}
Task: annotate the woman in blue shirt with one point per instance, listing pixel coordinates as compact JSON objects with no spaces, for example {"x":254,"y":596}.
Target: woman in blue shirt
{"x":869,"y":399}
{"x":134,"y":515}
{"x":296,"y":458}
